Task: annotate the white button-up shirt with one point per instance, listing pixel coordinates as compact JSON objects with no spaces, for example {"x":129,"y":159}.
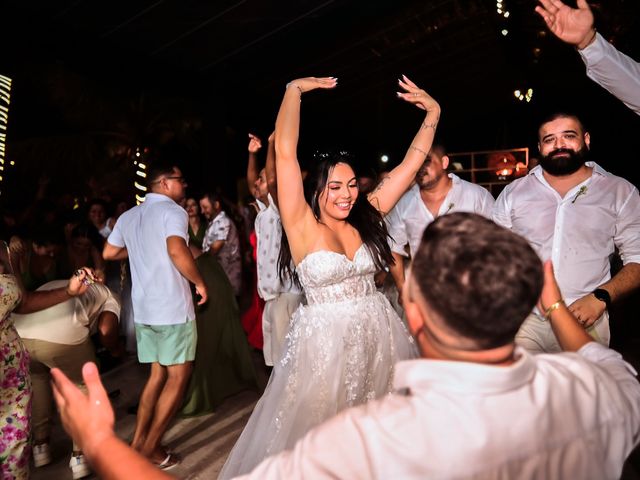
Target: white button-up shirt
{"x":410,"y":216}
{"x":549,"y":416}
{"x":614,"y":71}
{"x":578,"y":232}
{"x":269,"y":235}
{"x":159,"y":293}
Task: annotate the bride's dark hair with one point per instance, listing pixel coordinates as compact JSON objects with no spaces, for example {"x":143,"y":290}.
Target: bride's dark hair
{"x":363,"y":217}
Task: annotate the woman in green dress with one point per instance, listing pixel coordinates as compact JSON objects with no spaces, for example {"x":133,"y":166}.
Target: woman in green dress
{"x":197,"y":225}
{"x":223,"y":364}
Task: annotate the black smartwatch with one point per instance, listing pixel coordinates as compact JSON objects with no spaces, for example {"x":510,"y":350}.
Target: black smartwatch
{"x":602,"y":295}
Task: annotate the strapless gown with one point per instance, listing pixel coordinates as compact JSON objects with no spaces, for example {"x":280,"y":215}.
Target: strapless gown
{"x":340,"y":352}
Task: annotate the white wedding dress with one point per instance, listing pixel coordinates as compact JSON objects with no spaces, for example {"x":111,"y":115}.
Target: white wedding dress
{"x":340,"y":351}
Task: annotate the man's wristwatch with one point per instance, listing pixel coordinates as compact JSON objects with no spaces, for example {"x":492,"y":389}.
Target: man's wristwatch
{"x":602,"y":295}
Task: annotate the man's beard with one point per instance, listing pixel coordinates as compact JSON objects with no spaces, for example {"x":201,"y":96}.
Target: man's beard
{"x":431,"y":181}
{"x":561,"y":166}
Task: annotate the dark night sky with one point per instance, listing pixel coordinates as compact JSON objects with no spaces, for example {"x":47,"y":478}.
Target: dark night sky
{"x":88,"y":78}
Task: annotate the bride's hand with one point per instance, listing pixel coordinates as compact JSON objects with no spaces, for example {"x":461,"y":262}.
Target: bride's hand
{"x":311,"y":83}
{"x":417,"y":96}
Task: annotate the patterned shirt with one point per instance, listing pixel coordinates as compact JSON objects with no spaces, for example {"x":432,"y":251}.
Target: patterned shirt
{"x":222,"y":228}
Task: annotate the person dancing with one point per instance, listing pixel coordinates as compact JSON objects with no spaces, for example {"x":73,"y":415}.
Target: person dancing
{"x":342,"y":346}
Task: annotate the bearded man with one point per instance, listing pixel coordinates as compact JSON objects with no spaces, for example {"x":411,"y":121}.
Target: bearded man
{"x":576,"y":214}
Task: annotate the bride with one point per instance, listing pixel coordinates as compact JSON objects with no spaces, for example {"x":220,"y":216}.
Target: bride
{"x":342,"y":346}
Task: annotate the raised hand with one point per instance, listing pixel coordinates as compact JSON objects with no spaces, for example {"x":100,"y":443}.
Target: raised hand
{"x":254,"y":144}
{"x":414,"y":94}
{"x":550,"y":291}
{"x":311,"y":83}
{"x":87,"y":418}
{"x":571,"y":25}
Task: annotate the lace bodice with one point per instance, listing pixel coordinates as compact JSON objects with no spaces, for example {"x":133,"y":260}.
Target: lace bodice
{"x":330,"y":277}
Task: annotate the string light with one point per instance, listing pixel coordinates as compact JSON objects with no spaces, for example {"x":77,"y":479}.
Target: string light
{"x":140,"y":172}
{"x":5,"y":100}
{"x":524,"y":96}
{"x":501,"y":9}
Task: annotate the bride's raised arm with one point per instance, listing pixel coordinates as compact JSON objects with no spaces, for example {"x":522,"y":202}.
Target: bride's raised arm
{"x":294,"y":211}
{"x":393,"y":186}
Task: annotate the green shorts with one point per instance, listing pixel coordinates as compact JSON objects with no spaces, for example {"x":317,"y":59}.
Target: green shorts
{"x":167,"y":344}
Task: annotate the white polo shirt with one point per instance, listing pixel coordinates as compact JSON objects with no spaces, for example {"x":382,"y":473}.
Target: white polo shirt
{"x":578,"y":232}
{"x":160,"y":294}
{"x":269,"y":234}
{"x":70,"y":322}
{"x":410,"y":216}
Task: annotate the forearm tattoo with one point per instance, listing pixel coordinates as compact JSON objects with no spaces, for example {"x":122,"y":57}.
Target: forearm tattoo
{"x":413,"y":147}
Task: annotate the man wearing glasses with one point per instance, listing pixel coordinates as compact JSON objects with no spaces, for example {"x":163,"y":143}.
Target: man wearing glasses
{"x":154,"y":237}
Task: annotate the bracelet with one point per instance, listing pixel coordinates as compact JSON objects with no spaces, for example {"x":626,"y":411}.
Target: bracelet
{"x":550,"y":310}
{"x":295,"y":85}
{"x":590,"y":40}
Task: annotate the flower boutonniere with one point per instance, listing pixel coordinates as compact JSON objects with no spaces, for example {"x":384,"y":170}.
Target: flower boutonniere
{"x":582,"y":191}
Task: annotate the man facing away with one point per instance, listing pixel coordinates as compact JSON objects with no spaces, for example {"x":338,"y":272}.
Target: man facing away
{"x":435,"y":193}
{"x":474,"y":406}
{"x":154,"y":237}
{"x":576,"y":214}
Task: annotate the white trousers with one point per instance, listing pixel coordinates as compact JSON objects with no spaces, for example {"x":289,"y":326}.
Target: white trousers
{"x":275,"y":324}
{"x":536,"y":336}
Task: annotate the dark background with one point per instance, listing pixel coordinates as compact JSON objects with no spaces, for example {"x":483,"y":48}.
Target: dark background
{"x":92,"y":81}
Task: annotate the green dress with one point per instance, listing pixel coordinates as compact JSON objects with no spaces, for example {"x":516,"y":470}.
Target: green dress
{"x":223,"y":364}
{"x":196,"y":238}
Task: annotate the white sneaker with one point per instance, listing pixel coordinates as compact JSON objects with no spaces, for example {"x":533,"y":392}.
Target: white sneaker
{"x":41,"y":455}
{"x":79,"y":467}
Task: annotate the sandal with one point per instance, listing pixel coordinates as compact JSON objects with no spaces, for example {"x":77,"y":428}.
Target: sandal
{"x":168,"y":463}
